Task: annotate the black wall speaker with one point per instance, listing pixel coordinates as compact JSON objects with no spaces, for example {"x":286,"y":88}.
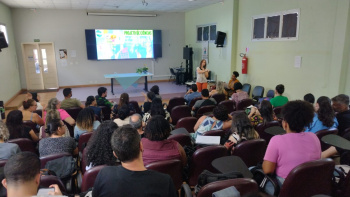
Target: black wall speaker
{"x":220,"y":39}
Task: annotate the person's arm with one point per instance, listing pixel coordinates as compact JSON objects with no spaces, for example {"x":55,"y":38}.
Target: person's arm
{"x":183,"y":154}
{"x":70,"y":121}
{"x":199,"y":71}
{"x":33,"y":136}
{"x":253,"y":111}
{"x":199,"y":122}
{"x":329,"y":152}
{"x":268,"y":167}
{"x":38,"y":120}
{"x":57,"y":191}
{"x":226,"y":124}
{"x":206,"y":73}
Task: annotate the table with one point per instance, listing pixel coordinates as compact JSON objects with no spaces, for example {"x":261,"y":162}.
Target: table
{"x":230,"y":164}
{"x":337,"y":141}
{"x":128,"y":79}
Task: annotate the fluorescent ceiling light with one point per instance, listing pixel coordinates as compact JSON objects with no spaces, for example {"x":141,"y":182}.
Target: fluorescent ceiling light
{"x":119,"y":14}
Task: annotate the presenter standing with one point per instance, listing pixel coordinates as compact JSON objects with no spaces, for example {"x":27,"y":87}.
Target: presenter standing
{"x":202,"y":75}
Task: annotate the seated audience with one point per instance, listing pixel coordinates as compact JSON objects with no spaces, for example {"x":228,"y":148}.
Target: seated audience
{"x":6,"y":149}
{"x":68,"y":101}
{"x":53,"y":111}
{"x":148,"y":101}
{"x":99,"y":148}
{"x":123,"y":116}
{"x":91,"y":103}
{"x":219,"y":89}
{"x":324,"y":117}
{"x":263,"y":115}
{"x":155,"y":90}
{"x":191,"y":94}
{"x":56,"y":143}
{"x":36,"y":97}
{"x":29,"y":107}
{"x":279,"y":100}
{"x":156,"y":109}
{"x":220,"y":120}
{"x":340,"y":105}
{"x":17,"y":129}
{"x":132,"y":177}
{"x":309,"y":98}
{"x":136,"y":122}
{"x":22,"y":176}
{"x":123,"y":100}
{"x":86,"y":122}
{"x":230,"y":86}
{"x":239,"y":93}
{"x":204,"y":102}
{"x":156,"y":146}
{"x":101,"y":98}
{"x":285,"y":152}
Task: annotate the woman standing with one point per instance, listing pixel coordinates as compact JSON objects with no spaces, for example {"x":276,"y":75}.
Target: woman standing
{"x":202,"y":75}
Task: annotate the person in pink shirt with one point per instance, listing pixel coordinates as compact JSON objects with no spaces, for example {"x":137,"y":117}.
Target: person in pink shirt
{"x":54,"y":110}
{"x":287,"y":151}
{"x":239,"y":93}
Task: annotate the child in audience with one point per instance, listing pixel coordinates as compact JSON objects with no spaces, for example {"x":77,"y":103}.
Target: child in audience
{"x":279,"y":100}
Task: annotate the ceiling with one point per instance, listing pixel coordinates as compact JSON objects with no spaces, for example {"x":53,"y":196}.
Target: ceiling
{"x":114,"y":5}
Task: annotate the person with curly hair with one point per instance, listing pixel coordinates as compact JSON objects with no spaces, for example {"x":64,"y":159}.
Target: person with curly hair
{"x":156,"y":146}
{"x":279,"y":100}
{"x":99,"y":148}
{"x":54,"y":111}
{"x":91,"y":103}
{"x":6,"y":149}
{"x":263,"y":115}
{"x":17,"y":129}
{"x":324,"y":117}
{"x":156,"y":109}
{"x":86,"y":122}
{"x":29,"y":107}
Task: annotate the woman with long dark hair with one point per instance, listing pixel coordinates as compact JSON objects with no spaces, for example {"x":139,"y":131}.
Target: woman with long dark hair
{"x":156,"y":109}
{"x":17,"y":129}
{"x":263,"y":115}
{"x":324,"y":116}
{"x":123,"y":100}
{"x":202,"y":75}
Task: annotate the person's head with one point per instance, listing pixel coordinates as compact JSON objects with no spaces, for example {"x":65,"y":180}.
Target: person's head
{"x":157,"y":128}
{"x":242,"y":126}
{"x":234,"y":76}
{"x":123,"y":112}
{"x":297,"y":115}
{"x":203,"y":64}
{"x":340,"y":103}
{"x":150,"y":96}
{"x":266,"y":111}
{"x":280,"y":89}
{"x":124,"y":99}
{"x":220,"y":113}
{"x":67,"y":92}
{"x":35,"y":96}
{"x":136,"y":121}
{"x":14,"y":123}
{"x":220,"y":87}
{"x":325,"y":111}
{"x":194,"y":87}
{"x":205,"y":93}
{"x":55,"y":127}
{"x":155,"y":89}
{"x":99,"y":148}
{"x":309,"y":98}
{"x":53,"y":104}
{"x":126,"y":144}
{"x":90,"y":101}
{"x":85,"y":119}
{"x":4,"y":132}
{"x":157,"y":107}
{"x":22,"y":171}
{"x":30,"y":105}
{"x":102,"y":91}
{"x":238,"y":86}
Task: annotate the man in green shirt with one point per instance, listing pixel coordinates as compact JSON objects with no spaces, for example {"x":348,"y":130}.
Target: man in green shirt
{"x":101,"y":98}
{"x":69,"y":102}
{"x":279,"y":100}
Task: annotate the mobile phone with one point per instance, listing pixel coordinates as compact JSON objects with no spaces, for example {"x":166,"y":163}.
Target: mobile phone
{"x":45,"y":191}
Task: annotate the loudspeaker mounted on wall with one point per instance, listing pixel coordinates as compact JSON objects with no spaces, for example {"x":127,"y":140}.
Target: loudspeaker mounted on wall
{"x":220,"y":39}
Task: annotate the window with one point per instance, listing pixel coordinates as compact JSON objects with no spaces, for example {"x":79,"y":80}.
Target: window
{"x":276,"y":26}
{"x":206,"y":32}
{"x":3,"y":29}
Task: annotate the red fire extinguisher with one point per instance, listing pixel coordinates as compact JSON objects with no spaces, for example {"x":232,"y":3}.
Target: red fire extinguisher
{"x":244,"y":63}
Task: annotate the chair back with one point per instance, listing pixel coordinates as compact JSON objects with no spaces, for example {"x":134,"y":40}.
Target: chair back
{"x":136,"y":106}
{"x":251,"y":151}
{"x":230,"y":105}
{"x":193,"y":101}
{"x":187,"y":122}
{"x":73,"y":112}
{"x":171,"y":167}
{"x":203,"y":110}
{"x":39,"y":112}
{"x":83,"y":140}
{"x":243,"y":185}
{"x":183,"y":139}
{"x":258,"y":92}
{"x":270,"y":94}
{"x":201,"y":160}
{"x":246,"y":88}
{"x":31,"y":125}
{"x":260,"y":128}
{"x":3,"y":162}
{"x":218,"y":132}
{"x":89,"y":177}
{"x":176,"y":101}
{"x":172,"y":71}
{"x":106,"y":113}
{"x":84,"y":160}
{"x":325,"y":132}
{"x":179,"y":112}
{"x":308,"y":179}
{"x":24,"y":144}
{"x":344,"y":186}
{"x":278,"y":112}
{"x":47,"y":180}
{"x":243,"y":104}
{"x":45,"y":159}
{"x":219,"y":97}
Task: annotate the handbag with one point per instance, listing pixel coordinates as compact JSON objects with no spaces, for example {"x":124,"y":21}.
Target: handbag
{"x":63,"y":167}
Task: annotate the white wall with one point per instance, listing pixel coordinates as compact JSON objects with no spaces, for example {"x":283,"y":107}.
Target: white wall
{"x":9,"y":75}
{"x":66,"y":29}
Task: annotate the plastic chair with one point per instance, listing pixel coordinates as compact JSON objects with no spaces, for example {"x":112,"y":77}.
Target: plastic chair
{"x":243,"y":104}
{"x":171,"y":167}
{"x":83,"y":140}
{"x":325,"y":132}
{"x":246,"y":88}
{"x":31,"y":125}
{"x":173,"y":74}
{"x":229,"y":104}
{"x":258,"y":92}
{"x":270,"y":94}
{"x":219,"y":97}
{"x":193,"y":101}
{"x":251,"y":151}
{"x":183,"y":139}
{"x":176,"y":101}
{"x":188,"y":123}
{"x":24,"y":144}
{"x":260,"y":128}
{"x":47,"y":180}
{"x":179,"y":112}
{"x":136,"y":106}
{"x":89,"y":177}
{"x":203,"y":110}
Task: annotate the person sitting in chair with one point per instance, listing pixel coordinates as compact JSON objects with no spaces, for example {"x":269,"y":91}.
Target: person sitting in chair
{"x":191,"y":94}
{"x":68,"y":101}
{"x":204,"y":102}
{"x":279,"y":100}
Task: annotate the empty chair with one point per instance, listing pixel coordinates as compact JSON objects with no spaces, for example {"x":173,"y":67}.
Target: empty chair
{"x":193,"y":101}
{"x":136,"y":106}
{"x":229,"y":104}
{"x":89,"y":177}
{"x":219,"y":97}
{"x":172,"y":74}
{"x":24,"y":144}
{"x":243,"y":104}
{"x":183,"y":139}
{"x":204,"y":110}
{"x":73,"y":112}
{"x":47,"y":180}
{"x":171,"y":167}
{"x":179,"y":112}
{"x":260,"y":128}
{"x":176,"y":101}
{"x":31,"y":125}
{"x":270,"y":94}
{"x":218,"y":132}
{"x":83,"y":140}
{"x":246,"y":88}
{"x":251,"y":151}
{"x":106,"y":113}
{"x":325,"y":132}
{"x":258,"y":92}
{"x":188,"y":123}
{"x":45,"y":159}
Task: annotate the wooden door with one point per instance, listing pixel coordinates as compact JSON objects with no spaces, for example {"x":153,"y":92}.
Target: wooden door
{"x":48,"y":63}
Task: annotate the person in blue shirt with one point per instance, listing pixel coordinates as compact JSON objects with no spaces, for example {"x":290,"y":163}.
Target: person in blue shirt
{"x":86,"y":122}
{"x":324,"y":117}
{"x":191,"y":94}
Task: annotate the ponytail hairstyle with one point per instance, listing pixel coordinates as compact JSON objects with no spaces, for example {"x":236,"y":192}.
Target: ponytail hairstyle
{"x":123,"y":100}
{"x":52,"y":126}
{"x":28,"y":103}
{"x":242,"y":126}
{"x":325,"y":112}
{"x":266,"y":111}
{"x":51,"y":110}
{"x":89,"y":101}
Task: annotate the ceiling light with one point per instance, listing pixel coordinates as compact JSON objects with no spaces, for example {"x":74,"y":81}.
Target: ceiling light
{"x":120,"y":14}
